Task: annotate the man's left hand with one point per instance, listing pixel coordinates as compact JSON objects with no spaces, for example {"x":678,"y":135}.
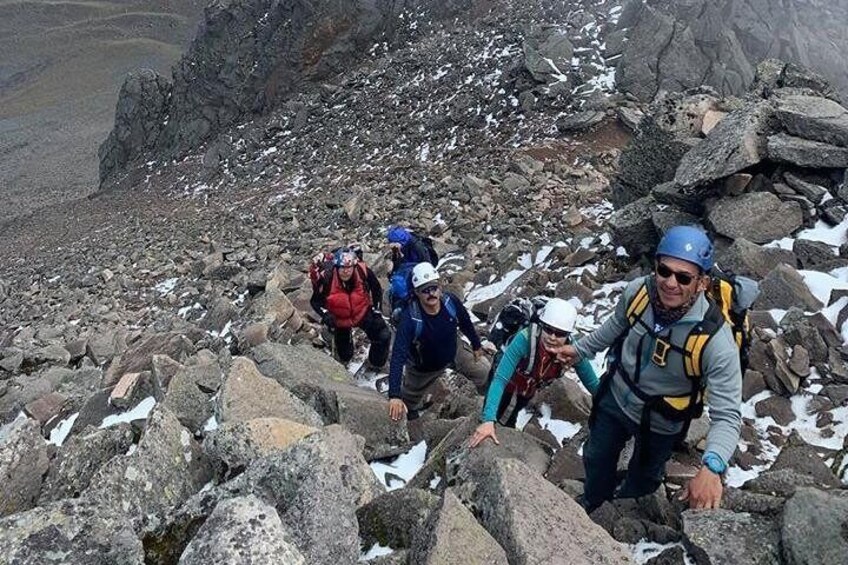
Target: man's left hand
{"x":477,"y":354}
{"x":704,"y":490}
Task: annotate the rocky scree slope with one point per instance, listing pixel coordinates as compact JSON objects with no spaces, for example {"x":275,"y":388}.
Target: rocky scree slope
{"x":171,"y":354}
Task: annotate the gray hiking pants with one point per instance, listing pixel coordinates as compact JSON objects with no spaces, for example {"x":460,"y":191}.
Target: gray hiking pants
{"x":416,"y":383}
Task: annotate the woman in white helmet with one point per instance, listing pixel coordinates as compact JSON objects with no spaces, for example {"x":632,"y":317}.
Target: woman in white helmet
{"x":528,"y":364}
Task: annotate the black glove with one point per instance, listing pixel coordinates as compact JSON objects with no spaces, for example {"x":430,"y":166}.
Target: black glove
{"x":329,"y":320}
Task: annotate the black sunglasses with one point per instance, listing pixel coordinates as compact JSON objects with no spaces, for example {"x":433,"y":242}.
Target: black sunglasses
{"x":432,"y":289}
{"x":682,"y":277}
{"x":556,"y":332}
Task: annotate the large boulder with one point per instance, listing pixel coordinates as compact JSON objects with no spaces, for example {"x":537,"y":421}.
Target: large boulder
{"x":814,"y":527}
{"x":723,"y":537}
{"x":813,"y":117}
{"x":759,"y":217}
{"x":803,"y":459}
{"x":453,"y":536}
{"x":327,"y":387}
{"x":533,"y":520}
{"x":452,"y":457}
{"x":736,"y":143}
{"x":801,"y":152}
{"x":79,"y":459}
{"x":547,"y":54}
{"x":139,"y":117}
{"x":23,"y":464}
{"x":242,"y":530}
{"x":751,"y":260}
{"x":190,"y":393}
{"x":633,"y":228}
{"x":165,"y":470}
{"x":393,"y":519}
{"x":784,"y":288}
{"x":234,"y":445}
{"x":315,"y":485}
{"x":247,"y":394}
{"x":140,"y":357}
{"x":70,"y":531}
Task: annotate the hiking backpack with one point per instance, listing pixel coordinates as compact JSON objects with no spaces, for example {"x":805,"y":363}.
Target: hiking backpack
{"x":730,"y":297}
{"x":519,"y":313}
{"x":432,"y":255}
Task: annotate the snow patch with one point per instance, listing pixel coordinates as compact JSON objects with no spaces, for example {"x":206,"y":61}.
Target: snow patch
{"x":61,"y":431}
{"x":140,"y":412}
{"x":399,"y":471}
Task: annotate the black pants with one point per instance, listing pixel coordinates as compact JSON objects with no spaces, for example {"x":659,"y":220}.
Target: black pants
{"x":378,"y":334}
{"x":521,"y":402}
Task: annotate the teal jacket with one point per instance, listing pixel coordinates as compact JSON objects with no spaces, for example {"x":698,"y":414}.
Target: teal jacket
{"x":518,"y":349}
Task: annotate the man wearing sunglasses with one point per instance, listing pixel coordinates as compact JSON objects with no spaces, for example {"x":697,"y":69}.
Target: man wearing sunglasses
{"x":426,"y":344}
{"x":529,"y":363}
{"x":647,"y":366}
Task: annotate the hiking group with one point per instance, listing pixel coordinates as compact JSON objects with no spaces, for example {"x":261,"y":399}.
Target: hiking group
{"x":676,"y":341}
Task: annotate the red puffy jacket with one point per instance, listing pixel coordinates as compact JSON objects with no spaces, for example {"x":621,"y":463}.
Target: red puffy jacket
{"x":349,"y":307}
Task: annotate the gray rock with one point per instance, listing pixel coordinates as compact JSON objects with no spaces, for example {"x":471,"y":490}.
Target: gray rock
{"x":722,"y":537}
{"x":679,"y":46}
{"x":650,"y":159}
{"x":784,"y":288}
{"x":104,"y":346}
{"x":752,"y":384}
{"x":547,"y":54}
{"x":759,"y":217}
{"x":813,"y":254}
{"x":803,"y":333}
{"x":579,"y":121}
{"x":533,"y":520}
{"x":811,"y":191}
{"x":736,"y":143}
{"x":777,"y":407}
{"x":813,"y":117}
{"x":70,"y":531}
{"x":755,"y":503}
{"x":804,"y":153}
{"x":394,"y":518}
{"x":453,"y":536}
{"x":813,"y":528}
{"x":234,"y":445}
{"x":363,"y":412}
{"x":633,"y":227}
{"x":140,"y":113}
{"x":23,"y":464}
{"x":805,"y":460}
{"x":139,"y":357}
{"x":247,"y":394}
{"x":164,"y":471}
{"x":781,"y":482}
{"x":79,"y":459}
{"x":242,"y":530}
{"x":190,"y":393}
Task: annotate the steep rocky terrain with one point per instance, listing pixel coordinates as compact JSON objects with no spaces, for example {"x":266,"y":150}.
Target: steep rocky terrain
{"x":167,"y":395}
{"x":61,"y":65}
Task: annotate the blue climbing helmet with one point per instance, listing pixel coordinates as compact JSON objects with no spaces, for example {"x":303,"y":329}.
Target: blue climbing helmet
{"x":398,"y":234}
{"x":689,"y":244}
{"x":345,"y":257}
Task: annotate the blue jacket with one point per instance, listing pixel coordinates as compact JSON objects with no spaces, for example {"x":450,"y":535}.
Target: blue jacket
{"x":435,"y":349}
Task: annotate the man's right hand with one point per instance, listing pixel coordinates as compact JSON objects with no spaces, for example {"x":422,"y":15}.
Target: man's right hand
{"x":397,"y":409}
{"x":566,"y":354}
{"x":329,"y":320}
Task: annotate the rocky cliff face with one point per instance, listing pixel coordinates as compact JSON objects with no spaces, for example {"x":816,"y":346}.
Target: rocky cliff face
{"x":679,"y":45}
{"x":248,"y":56}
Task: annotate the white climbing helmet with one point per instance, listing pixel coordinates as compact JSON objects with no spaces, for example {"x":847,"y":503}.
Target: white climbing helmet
{"x":424,"y":273}
{"x":559,"y":314}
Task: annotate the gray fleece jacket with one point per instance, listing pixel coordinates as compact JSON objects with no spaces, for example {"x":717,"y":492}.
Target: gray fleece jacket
{"x":721,"y":370}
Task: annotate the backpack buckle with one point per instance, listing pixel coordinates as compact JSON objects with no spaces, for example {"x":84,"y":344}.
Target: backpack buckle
{"x":660,"y":354}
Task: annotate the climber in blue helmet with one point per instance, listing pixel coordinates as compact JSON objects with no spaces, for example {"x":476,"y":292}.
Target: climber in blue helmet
{"x":667,"y":343}
{"x":407,"y":250}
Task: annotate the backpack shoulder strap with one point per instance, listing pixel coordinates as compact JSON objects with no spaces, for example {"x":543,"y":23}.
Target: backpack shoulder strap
{"x":450,"y":307}
{"x":417,"y":320}
{"x":698,"y":338}
{"x":637,"y":305}
{"x":533,"y":331}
